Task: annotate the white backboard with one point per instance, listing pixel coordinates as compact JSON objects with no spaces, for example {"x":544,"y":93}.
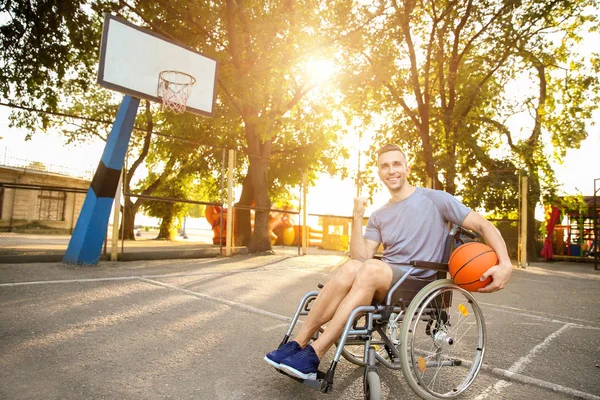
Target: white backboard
{"x":131,"y":59}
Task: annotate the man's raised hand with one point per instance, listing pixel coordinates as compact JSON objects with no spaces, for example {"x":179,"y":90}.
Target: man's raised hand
{"x":360,"y":204}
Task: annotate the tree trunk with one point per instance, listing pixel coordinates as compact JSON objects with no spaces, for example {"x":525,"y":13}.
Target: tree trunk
{"x":242,"y":217}
{"x":451,"y":171}
{"x":258,"y":172}
{"x":259,"y":154}
{"x":166,"y":231}
{"x":131,"y":210}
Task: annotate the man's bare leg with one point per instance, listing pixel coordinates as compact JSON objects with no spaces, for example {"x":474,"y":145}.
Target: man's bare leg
{"x":372,"y":282}
{"x":329,"y":299}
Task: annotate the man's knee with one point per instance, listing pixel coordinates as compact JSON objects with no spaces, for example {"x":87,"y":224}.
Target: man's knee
{"x":347,"y":272}
{"x":374,"y":273}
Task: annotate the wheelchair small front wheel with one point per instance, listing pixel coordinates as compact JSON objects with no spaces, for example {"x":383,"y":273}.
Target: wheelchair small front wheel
{"x":372,"y":385}
{"x":442,"y":341}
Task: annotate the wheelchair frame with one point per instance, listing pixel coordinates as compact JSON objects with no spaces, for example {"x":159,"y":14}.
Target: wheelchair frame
{"x":378,"y":317}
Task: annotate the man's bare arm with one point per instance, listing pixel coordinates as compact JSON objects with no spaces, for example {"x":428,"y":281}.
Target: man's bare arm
{"x":360,"y":248}
{"x":501,"y":272}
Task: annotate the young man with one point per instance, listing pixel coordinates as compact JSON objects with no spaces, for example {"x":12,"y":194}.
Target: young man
{"x":413,"y":225}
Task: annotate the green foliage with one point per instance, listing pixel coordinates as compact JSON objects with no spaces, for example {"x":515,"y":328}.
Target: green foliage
{"x":443,"y":73}
{"x":170,"y":211}
{"x":495,"y":189}
{"x":265,"y":93}
{"x":572,"y":204}
{"x":46,"y":42}
{"x":433,"y":76}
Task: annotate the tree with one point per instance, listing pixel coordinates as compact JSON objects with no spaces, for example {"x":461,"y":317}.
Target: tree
{"x":43,"y":43}
{"x":262,"y":47}
{"x":565,"y":92}
{"x":439,"y":72}
{"x":51,"y":51}
{"x":49,"y":63}
{"x":170,"y":211}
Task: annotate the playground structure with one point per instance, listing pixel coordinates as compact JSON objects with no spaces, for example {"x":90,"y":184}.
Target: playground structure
{"x":282,"y":228}
{"x":573,"y":231}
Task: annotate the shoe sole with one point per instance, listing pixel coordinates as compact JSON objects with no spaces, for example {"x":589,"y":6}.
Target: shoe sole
{"x":273,"y":363}
{"x":294,"y":372}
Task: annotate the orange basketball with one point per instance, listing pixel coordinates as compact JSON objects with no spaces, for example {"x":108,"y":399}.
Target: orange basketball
{"x":468,"y":262}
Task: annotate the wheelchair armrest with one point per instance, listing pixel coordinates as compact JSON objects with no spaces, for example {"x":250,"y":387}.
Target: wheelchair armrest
{"x":430,"y":265}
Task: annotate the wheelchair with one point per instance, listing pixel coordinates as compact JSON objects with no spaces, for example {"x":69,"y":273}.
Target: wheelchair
{"x":437,"y":339}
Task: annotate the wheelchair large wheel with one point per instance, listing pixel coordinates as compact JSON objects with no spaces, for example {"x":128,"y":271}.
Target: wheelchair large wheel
{"x":443,"y":341}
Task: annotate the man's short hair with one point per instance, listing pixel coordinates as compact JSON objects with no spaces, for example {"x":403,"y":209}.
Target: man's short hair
{"x":389,"y":147}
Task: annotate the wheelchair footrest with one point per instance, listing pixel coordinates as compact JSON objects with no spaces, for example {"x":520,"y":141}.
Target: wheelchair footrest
{"x":319,"y":384}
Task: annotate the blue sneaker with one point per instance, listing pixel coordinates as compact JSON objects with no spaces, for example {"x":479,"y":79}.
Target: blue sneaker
{"x":276,"y":356}
{"x":303,"y":364}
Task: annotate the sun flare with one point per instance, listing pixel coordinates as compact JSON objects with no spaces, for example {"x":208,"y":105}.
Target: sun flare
{"x":319,"y":70}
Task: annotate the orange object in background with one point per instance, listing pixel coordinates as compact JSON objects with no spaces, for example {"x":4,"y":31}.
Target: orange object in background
{"x":279,"y":223}
{"x":289,"y":234}
{"x":213,"y":216}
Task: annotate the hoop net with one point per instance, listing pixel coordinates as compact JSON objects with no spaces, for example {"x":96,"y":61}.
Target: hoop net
{"x":174,"y":88}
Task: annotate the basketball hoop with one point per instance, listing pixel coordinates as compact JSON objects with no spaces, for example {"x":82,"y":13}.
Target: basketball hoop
{"x":174,"y":89}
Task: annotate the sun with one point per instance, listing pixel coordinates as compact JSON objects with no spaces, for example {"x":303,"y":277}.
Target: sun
{"x":318,"y":71}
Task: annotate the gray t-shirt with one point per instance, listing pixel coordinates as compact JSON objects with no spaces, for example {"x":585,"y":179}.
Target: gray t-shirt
{"x":416,"y":227}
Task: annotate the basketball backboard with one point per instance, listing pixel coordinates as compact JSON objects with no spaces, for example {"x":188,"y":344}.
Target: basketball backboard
{"x":132,"y":58}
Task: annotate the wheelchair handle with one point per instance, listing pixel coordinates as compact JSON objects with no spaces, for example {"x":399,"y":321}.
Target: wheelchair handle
{"x":457,"y":231}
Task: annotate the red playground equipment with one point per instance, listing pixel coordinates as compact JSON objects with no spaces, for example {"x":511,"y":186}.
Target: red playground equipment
{"x":281,"y":226}
{"x":571,"y":230}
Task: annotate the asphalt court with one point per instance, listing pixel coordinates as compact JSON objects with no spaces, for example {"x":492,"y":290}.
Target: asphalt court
{"x":199,"y":329}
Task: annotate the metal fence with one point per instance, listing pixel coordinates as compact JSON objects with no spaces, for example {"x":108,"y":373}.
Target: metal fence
{"x":37,"y":220}
{"x":190,"y":235}
{"x":198,"y":231}
{"x":36,"y":223}
{"x":25,"y":164}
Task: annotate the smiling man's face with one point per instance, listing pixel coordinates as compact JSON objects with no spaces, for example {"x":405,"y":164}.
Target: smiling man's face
{"x":393,"y":170}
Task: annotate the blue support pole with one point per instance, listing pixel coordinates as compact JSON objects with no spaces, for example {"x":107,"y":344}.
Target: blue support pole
{"x":86,"y":241}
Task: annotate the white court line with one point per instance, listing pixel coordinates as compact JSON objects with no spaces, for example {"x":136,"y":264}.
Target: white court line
{"x":543,"y":384}
{"x":119,"y":278}
{"x":259,"y":268}
{"x":495,"y":389}
{"x":502,"y":308}
{"x":523,"y":361}
{"x":219,"y":300}
{"x":545,"y":272}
